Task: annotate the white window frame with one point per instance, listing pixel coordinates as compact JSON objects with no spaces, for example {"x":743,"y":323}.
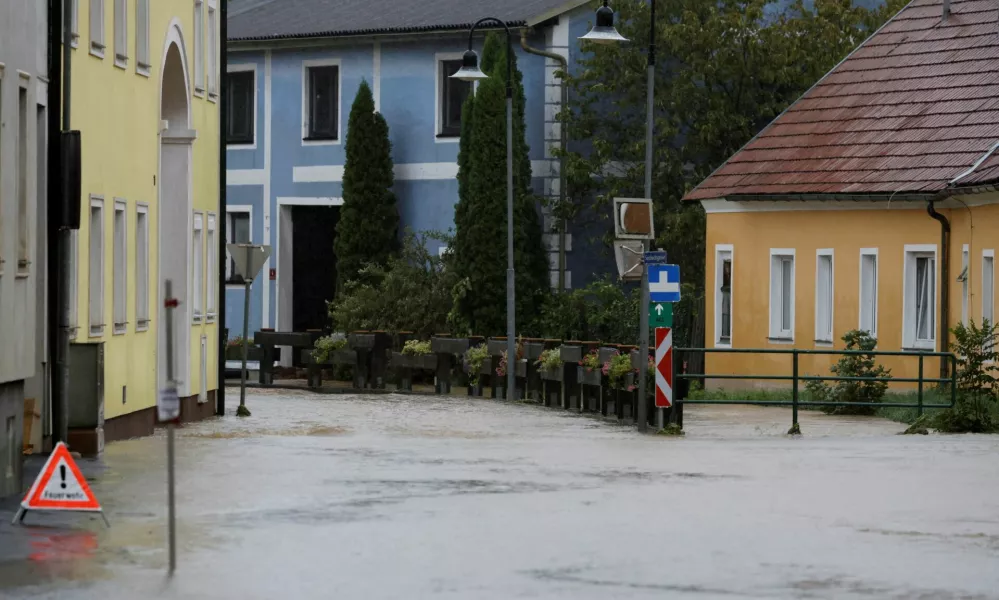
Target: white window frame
{"x":142,"y":61}
{"x":909,"y":326}
{"x":74,"y":281}
{"x":865,"y":252}
{"x":776,"y":332}
{"x":723,"y":252}
{"x":213,"y":52}
{"x":119,"y":264}
{"x":989,"y":292}
{"x":243,"y":68}
{"x":965,"y":279}
{"x":211,"y":285}
{"x":439,"y":58}
{"x":121,"y":34}
{"x":24,"y":187}
{"x":198,"y":267}
{"x":825,"y":337}
{"x":96,"y":280}
{"x":3,"y":259}
{"x":142,"y":268}
{"x":307,"y":93}
{"x":230,"y":210}
{"x":199,"y":48}
{"x":97,"y":43}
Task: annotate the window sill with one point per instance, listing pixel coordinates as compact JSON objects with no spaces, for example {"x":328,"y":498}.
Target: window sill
{"x":199,"y":92}
{"x":22,"y":274}
{"x":824,"y":343}
{"x":213,"y":97}
{"x":725,"y":343}
{"x":240,"y":145}
{"x":120,"y":329}
{"x":919,"y":349}
{"x":196,"y":319}
{"x":97,"y":50}
{"x":320,"y":138}
{"x":142,"y":325}
{"x":143,"y":69}
{"x":121,"y":62}
{"x":210,"y":318}
{"x":96,"y":331}
{"x":780,"y":340}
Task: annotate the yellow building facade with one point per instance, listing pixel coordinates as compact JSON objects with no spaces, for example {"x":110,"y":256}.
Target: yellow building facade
{"x":145,"y":91}
{"x":852,"y":265}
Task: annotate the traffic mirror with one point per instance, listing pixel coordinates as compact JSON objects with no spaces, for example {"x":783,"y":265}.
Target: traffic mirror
{"x":633,"y":219}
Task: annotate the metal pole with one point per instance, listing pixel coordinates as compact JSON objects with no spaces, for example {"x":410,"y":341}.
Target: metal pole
{"x":794,"y":391}
{"x":921,"y":384}
{"x":511,"y":341}
{"x":171,"y":512}
{"x":220,"y":283}
{"x":243,"y":411}
{"x":642,"y":410}
{"x":60,"y":383}
{"x":649,"y":134}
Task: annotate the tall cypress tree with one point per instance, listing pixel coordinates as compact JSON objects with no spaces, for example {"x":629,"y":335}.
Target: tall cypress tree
{"x":369,"y":220}
{"x":481,"y":215}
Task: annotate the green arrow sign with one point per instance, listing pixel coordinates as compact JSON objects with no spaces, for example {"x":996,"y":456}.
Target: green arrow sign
{"x":660,"y":314}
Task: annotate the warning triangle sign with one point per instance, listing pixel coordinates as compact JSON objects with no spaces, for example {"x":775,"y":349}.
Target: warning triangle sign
{"x":60,"y":486}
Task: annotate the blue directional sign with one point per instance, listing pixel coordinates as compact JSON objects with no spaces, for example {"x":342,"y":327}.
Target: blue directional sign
{"x":654,"y":257}
{"x":664,"y":283}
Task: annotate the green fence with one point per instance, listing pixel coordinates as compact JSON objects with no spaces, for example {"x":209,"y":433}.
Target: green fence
{"x":796,"y":378}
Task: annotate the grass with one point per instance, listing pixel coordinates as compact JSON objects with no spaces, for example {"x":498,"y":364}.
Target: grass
{"x":900,"y":415}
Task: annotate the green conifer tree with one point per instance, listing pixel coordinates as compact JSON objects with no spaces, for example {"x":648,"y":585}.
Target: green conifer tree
{"x":369,"y":220}
{"x":481,"y":215}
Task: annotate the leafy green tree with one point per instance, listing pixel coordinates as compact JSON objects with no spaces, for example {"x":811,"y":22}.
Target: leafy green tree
{"x":367,"y":232}
{"x":977,"y":408}
{"x":725,"y":69}
{"x":480,"y":245}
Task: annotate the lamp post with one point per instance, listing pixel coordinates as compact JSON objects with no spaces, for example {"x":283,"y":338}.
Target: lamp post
{"x":470,"y":71}
{"x":603,"y":32}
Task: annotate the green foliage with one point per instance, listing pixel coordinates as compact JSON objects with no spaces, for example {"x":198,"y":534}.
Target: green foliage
{"x":550,"y":360}
{"x":975,"y":409}
{"x":237,"y":342}
{"x":501,"y":367}
{"x":602,"y":311}
{"x":854,"y":365}
{"x":367,"y":232}
{"x":325,"y":346}
{"x":616,"y":368}
{"x":411,"y":292}
{"x":724,"y":72}
{"x":475,"y":357}
{"x":416,"y":348}
{"x":480,"y":244}
{"x":591,"y":362}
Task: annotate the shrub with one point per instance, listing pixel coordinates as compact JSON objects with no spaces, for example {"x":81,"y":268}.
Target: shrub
{"x":325,"y":346}
{"x":591,"y":362}
{"x":854,"y":365}
{"x":616,"y":368}
{"x":416,"y":348}
{"x":975,"y":407}
{"x":603,"y":310}
{"x":475,"y":357}
{"x":501,"y":368}
{"x":411,"y":293}
{"x":550,"y":360}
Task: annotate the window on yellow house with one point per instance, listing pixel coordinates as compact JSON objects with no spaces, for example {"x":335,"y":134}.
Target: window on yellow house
{"x":988,"y":285}
{"x":723,"y":297}
{"x":782,"y":294}
{"x":869,"y":291}
{"x":96,"y":272}
{"x":920,"y":302}
{"x":141,"y":267}
{"x":824,"y":296}
{"x":197,"y":272}
{"x":120,"y":263}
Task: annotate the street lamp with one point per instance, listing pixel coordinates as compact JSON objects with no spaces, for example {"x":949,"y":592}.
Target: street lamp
{"x":470,"y":71}
{"x":603,"y":32}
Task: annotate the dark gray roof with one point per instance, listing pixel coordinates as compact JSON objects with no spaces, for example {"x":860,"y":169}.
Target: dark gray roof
{"x":282,"y":19}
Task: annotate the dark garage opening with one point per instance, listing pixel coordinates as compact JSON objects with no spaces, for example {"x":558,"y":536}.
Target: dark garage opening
{"x":313,"y":265}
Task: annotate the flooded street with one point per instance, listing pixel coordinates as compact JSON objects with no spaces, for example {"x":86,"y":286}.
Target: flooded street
{"x":390,"y":496}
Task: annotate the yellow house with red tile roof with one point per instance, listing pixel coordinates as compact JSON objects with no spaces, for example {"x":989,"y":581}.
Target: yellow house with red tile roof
{"x":870,"y":203}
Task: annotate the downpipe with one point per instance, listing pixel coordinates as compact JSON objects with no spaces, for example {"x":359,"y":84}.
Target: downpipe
{"x":945,"y":290}
{"x":563,"y":144}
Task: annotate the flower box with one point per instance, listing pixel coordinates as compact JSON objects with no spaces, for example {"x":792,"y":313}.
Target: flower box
{"x":571,"y":354}
{"x":344,"y":356}
{"x":533,"y":350}
{"x":496,"y":347}
{"x":551,"y":374}
{"x":361,"y":341}
{"x":604,"y":354}
{"x":594,"y":378}
{"x":442,"y":345}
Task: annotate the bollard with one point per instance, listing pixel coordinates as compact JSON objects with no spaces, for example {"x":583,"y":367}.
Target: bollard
{"x":920,"y":384}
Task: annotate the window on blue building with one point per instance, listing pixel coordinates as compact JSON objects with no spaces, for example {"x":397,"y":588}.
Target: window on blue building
{"x":453,"y":93}
{"x":240,"y":111}
{"x":323,"y":93}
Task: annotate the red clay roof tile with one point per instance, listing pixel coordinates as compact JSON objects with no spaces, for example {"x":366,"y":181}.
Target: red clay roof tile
{"x":912,"y":109}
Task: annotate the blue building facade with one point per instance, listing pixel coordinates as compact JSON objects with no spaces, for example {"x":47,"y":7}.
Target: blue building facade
{"x":289,"y":97}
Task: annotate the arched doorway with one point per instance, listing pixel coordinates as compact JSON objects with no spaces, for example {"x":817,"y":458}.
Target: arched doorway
{"x":174,"y":184}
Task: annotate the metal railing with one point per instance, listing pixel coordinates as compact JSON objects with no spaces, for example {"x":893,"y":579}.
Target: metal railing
{"x":795,"y":378}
